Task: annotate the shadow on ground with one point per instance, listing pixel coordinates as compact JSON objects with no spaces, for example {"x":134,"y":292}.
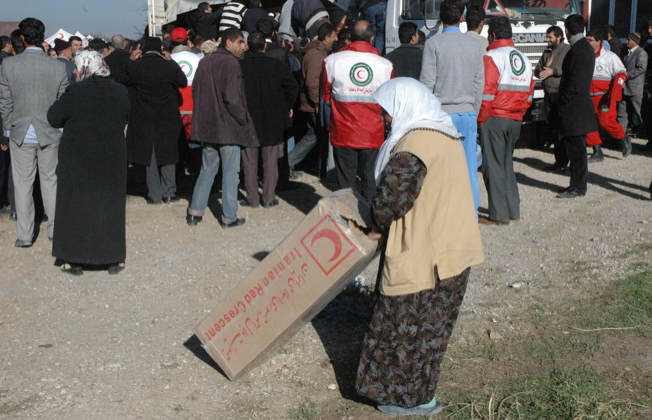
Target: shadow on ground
{"x":341,"y":326}
{"x":594,"y":179}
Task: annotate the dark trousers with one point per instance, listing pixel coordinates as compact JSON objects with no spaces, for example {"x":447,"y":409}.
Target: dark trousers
{"x":550,"y":99}
{"x":7,"y":178}
{"x":161,"y":180}
{"x":270,"y":172}
{"x":352,"y":162}
{"x":499,"y":137}
{"x":579,"y":168}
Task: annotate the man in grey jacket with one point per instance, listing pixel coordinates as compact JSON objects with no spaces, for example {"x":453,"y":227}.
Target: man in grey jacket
{"x":29,"y":84}
{"x":635,"y":62}
{"x":452,"y":68}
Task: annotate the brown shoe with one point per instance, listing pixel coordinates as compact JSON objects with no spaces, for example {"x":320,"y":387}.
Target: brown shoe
{"x":492,"y":222}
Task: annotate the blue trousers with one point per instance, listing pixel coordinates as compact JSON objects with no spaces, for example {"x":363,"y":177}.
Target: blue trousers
{"x":467,"y":125}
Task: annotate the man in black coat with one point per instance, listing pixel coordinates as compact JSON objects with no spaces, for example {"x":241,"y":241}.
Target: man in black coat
{"x":575,"y":108}
{"x":271,"y":91}
{"x":206,"y":25}
{"x":155,"y":120}
{"x":407,"y":58}
{"x":266,"y":27}
{"x":254,"y":14}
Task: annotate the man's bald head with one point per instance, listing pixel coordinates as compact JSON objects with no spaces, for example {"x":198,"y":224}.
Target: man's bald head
{"x":363,"y":31}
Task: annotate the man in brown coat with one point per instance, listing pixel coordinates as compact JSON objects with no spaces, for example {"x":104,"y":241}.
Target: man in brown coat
{"x":306,"y":120}
{"x":549,"y":70}
{"x":220,"y":121}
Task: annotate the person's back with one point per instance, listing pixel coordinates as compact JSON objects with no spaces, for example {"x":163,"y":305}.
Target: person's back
{"x":154,"y":78}
{"x":29,"y":83}
{"x":452,"y":69}
{"x":35,"y":81}
{"x":407,"y":58}
{"x":254,"y":14}
{"x":232,"y":16}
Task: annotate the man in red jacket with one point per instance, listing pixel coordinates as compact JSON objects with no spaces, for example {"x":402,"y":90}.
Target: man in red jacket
{"x":508,"y":89}
{"x":349,"y":78}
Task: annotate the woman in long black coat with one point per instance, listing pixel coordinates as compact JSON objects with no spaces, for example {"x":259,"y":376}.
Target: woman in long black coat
{"x":155,"y":120}
{"x":92,"y":171}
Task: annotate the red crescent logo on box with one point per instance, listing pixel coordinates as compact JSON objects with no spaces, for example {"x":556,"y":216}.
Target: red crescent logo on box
{"x":327,"y":245}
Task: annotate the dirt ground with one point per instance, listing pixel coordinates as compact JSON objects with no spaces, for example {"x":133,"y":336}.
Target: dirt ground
{"x":122,"y":347}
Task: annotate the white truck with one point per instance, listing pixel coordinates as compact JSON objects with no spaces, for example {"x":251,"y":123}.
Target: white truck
{"x":530,"y":20}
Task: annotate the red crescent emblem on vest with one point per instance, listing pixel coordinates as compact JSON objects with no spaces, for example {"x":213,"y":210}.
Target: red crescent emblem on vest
{"x":358,"y":74}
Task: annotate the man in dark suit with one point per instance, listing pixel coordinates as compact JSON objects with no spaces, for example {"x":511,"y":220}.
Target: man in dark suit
{"x":407,"y":58}
{"x":271,"y":91}
{"x":575,"y":107}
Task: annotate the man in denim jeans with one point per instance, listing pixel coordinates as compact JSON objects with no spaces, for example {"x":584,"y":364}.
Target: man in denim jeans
{"x":375,"y":12}
{"x":223,"y":124}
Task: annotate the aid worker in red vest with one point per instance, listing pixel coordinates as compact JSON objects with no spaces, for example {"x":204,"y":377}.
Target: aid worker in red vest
{"x":188,"y":61}
{"x":609,"y":77}
{"x":349,"y":77}
{"x":507,"y":95}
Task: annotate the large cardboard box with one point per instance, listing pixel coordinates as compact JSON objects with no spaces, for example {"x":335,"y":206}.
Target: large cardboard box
{"x":307,"y":270}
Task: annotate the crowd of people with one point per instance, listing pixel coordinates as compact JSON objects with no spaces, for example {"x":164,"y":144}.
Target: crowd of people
{"x":309,"y":86}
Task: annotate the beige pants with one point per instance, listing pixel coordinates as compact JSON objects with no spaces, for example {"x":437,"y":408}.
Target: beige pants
{"x":25,"y":160}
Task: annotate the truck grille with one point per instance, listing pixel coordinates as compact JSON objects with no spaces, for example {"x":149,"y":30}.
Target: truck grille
{"x":531,"y":49}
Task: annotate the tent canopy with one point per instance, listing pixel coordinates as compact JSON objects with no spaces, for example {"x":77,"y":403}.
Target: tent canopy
{"x":60,"y":34}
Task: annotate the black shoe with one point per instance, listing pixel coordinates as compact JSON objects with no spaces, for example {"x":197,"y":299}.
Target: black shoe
{"x":571,"y":194}
{"x":73,"y":270}
{"x":13,"y":217}
{"x":45,"y":218}
{"x":597,"y":156}
{"x":235,"y":223}
{"x":150,"y":200}
{"x":563,"y":190}
{"x":22,"y":244}
{"x":272,"y":204}
{"x":650,"y":190}
{"x":555,"y":168}
{"x":295,"y":174}
{"x":245,"y":203}
{"x":193,"y":220}
{"x":171,"y":199}
{"x":116,"y":268}
{"x":627,"y":146}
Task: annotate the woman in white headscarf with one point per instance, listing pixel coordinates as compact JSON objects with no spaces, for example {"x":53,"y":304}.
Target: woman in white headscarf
{"x":92,"y":170}
{"x":424,"y":213}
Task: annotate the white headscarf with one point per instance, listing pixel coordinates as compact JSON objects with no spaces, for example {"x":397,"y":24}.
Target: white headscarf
{"x":91,"y":63}
{"x":411,"y":106}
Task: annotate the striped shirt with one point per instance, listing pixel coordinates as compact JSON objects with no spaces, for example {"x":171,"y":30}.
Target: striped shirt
{"x":232,"y":15}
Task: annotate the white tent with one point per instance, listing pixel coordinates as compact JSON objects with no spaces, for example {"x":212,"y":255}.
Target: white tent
{"x":60,"y":34}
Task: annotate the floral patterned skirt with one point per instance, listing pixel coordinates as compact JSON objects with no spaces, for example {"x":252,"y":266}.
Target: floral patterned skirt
{"x":405,"y":344}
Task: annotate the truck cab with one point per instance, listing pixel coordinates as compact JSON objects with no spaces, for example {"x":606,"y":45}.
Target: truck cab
{"x":530,"y":20}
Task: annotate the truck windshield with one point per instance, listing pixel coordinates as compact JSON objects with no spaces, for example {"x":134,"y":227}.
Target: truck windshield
{"x":514,"y":9}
